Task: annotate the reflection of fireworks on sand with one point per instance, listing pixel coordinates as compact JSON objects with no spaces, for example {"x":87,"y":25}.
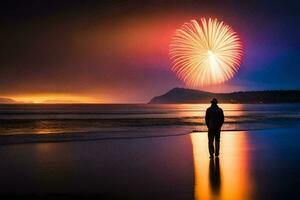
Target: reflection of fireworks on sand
{"x":205,"y":53}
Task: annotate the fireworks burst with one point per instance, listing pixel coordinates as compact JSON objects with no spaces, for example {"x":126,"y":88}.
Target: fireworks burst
{"x":205,"y":53}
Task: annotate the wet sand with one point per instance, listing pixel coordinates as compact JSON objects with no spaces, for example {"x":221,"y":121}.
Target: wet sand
{"x":261,"y":164}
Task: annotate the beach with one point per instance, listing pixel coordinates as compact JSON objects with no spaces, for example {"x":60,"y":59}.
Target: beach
{"x":144,"y":151}
{"x":149,"y":100}
{"x":258,"y":164}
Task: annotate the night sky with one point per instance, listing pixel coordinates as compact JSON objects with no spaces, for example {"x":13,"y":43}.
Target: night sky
{"x":114,"y":52}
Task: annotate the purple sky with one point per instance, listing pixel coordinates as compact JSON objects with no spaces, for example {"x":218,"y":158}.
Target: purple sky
{"x":118,"y":52}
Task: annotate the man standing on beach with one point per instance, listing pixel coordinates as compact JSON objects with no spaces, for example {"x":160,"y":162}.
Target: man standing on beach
{"x":214,"y":119}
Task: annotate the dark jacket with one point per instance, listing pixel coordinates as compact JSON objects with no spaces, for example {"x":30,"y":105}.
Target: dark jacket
{"x":214,"y":117}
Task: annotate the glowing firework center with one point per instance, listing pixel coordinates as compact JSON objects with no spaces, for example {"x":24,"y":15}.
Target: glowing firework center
{"x":205,"y":53}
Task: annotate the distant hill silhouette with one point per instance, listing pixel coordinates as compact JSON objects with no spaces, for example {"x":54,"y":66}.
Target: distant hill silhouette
{"x":182,"y":95}
{"x":5,"y":100}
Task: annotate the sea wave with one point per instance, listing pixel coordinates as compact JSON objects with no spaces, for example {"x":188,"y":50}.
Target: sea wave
{"x":54,"y":126}
{"x":104,"y":119}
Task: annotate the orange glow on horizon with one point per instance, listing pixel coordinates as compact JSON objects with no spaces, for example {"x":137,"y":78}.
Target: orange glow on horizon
{"x":53,"y":98}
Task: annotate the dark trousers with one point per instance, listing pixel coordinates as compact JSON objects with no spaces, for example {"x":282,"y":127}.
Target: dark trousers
{"x":214,"y":135}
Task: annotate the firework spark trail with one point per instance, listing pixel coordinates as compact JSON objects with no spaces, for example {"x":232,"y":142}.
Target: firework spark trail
{"x":205,"y":53}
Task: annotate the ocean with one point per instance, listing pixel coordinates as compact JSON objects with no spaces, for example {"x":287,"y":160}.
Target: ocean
{"x":141,"y":151}
{"x":36,"y":119}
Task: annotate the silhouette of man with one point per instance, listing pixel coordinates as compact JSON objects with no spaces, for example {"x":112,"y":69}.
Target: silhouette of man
{"x":214,"y":119}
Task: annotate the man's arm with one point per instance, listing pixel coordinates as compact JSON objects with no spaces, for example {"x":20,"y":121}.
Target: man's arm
{"x":222,"y":117}
{"x":207,"y":118}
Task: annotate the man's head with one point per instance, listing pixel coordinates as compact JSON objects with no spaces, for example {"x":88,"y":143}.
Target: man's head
{"x":214,"y":101}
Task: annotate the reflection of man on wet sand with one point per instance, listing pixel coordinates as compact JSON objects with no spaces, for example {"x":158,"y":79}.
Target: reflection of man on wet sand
{"x":214,"y":120}
{"x":214,"y":175}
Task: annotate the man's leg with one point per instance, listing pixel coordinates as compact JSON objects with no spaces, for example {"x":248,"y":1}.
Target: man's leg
{"x":211,"y":143}
{"x":217,"y":142}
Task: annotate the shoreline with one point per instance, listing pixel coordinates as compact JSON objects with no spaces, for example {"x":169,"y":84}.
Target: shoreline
{"x":251,"y":162}
{"x":108,"y":135}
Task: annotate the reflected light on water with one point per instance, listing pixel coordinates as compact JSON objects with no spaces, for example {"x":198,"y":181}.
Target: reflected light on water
{"x":42,"y":127}
{"x":225,"y":178}
{"x":187,"y":110}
